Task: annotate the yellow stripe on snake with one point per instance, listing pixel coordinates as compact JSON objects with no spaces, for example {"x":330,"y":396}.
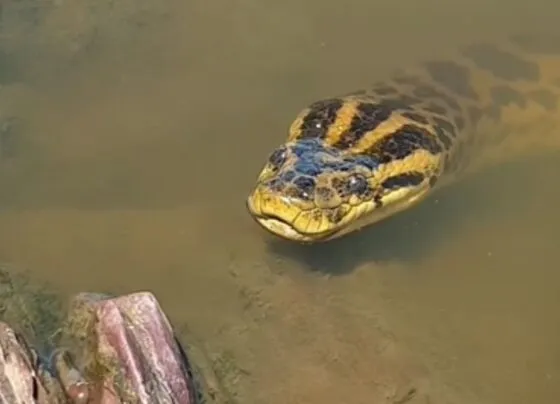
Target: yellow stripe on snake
{"x":353,"y":160}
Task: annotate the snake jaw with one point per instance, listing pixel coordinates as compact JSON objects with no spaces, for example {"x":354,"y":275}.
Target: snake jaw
{"x":284,"y":217}
{"x":285,"y":230}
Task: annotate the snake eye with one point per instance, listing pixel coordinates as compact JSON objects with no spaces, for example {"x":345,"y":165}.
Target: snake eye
{"x":357,"y":184}
{"x":277,"y":158}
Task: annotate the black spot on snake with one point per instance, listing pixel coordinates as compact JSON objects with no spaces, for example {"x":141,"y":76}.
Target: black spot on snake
{"x":403,"y":102}
{"x":305,"y":186}
{"x":403,"y":143}
{"x":502,"y":64}
{"x":446,"y":126}
{"x":443,"y":137}
{"x":337,"y":184}
{"x":384,"y":90}
{"x":370,"y":162}
{"x":544,"y":98}
{"x":418,"y":118}
{"x":427,"y":92}
{"x":504,"y":95}
{"x":357,"y":184}
{"x":343,"y":166}
{"x":454,"y":164}
{"x":320,"y":117}
{"x":409,"y":179}
{"x":435,"y":109}
{"x":539,"y":44}
{"x":277,"y":158}
{"x":367,"y":118}
{"x":452,"y":76}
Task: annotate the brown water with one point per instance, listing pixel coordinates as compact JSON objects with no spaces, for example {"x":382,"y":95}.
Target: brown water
{"x":142,"y":132}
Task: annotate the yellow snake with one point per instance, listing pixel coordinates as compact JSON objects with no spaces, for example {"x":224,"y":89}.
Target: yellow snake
{"x":353,"y":160}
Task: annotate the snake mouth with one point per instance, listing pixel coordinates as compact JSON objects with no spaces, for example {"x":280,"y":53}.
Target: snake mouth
{"x":285,"y":230}
{"x":281,"y":226}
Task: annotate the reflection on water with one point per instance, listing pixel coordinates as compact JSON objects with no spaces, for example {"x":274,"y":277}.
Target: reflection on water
{"x":141,"y":135}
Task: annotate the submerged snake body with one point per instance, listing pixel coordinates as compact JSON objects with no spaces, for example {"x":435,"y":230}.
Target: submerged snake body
{"x":351,"y":161}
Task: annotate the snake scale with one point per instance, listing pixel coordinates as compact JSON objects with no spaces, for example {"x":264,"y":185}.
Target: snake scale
{"x":353,"y":160}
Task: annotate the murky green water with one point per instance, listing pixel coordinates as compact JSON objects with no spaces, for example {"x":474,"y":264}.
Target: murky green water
{"x":143,"y":126}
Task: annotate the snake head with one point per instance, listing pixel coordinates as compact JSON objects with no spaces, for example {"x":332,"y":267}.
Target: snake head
{"x":122,"y":350}
{"x":311,"y":191}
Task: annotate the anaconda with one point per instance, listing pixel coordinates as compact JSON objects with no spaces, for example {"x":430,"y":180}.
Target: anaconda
{"x":353,"y":160}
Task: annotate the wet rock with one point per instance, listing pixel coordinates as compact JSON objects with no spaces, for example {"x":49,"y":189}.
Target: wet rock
{"x":125,"y":347}
{"x":103,"y":350}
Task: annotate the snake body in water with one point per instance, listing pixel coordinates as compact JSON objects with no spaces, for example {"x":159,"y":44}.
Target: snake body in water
{"x":353,"y":160}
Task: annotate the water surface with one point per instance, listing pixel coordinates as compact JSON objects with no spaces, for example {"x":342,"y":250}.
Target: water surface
{"x":142,"y":131}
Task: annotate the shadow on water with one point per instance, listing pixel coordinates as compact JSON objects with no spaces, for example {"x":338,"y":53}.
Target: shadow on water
{"x":417,"y":233}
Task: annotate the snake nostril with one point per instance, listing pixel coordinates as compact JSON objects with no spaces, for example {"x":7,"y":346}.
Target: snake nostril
{"x":277,"y":158}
